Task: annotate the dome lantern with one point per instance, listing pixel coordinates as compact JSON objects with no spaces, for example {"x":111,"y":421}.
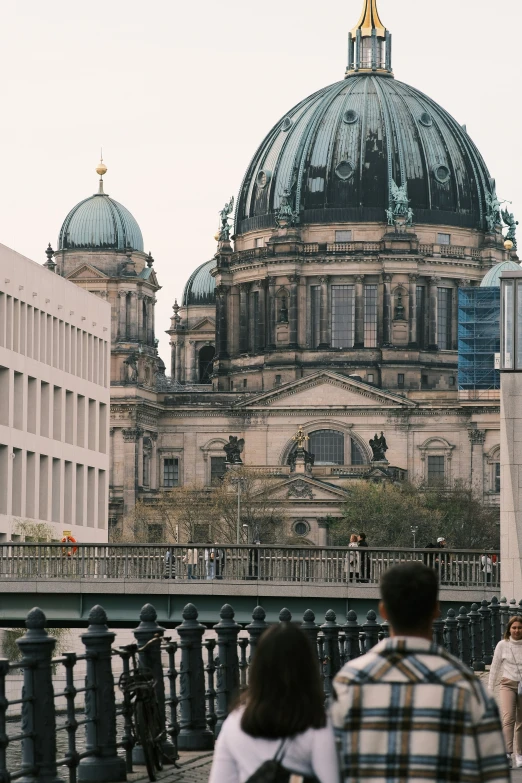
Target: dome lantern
{"x":369,"y":44}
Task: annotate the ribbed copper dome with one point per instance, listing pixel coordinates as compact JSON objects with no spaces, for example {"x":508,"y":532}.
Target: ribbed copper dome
{"x":200,"y":287}
{"x":338,"y":151}
{"x":100,"y":223}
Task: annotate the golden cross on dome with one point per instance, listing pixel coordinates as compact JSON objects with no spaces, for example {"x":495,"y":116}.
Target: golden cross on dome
{"x":369,"y":21}
{"x":301,"y":437}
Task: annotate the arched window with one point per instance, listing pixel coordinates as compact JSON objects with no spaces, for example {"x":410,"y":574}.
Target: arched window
{"x":327,"y":446}
{"x":358,"y":457}
{"x":206,"y":358}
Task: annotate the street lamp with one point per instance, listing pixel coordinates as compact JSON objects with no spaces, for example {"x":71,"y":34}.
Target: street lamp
{"x":414,"y":529}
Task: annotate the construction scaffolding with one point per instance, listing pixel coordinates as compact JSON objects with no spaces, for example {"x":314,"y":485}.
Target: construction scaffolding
{"x":479,"y":341}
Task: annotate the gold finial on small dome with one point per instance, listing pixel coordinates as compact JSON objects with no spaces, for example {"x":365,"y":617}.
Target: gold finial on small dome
{"x":369,"y":21}
{"x":101,"y":169}
{"x":508,"y":244}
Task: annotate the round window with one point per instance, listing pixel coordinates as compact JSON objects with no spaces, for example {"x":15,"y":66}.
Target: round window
{"x":263,"y":178}
{"x":287,"y":123}
{"x":425,"y":119}
{"x":301,"y":528}
{"x":344,"y":170}
{"x":441,"y":173}
{"x":350,"y":116}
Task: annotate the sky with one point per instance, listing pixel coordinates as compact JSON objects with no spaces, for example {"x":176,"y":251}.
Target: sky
{"x":180,"y":95}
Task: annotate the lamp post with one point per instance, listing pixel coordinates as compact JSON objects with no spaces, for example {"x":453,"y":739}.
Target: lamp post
{"x":414,"y":529}
{"x":511,"y":432}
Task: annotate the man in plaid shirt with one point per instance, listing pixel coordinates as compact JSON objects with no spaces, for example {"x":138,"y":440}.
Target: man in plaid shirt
{"x":408,"y":710}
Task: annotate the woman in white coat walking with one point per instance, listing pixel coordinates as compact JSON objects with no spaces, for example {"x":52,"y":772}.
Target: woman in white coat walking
{"x":506,"y":672}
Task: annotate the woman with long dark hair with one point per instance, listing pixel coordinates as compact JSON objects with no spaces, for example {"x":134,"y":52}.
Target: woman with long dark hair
{"x":506,"y":672}
{"x":280,"y":715}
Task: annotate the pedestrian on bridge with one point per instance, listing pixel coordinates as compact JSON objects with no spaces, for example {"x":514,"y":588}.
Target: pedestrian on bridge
{"x":410,"y":711}
{"x":280,"y":720}
{"x":191,"y":560}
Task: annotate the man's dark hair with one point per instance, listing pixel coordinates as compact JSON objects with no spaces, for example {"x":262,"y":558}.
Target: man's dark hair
{"x":363,"y":536}
{"x":285,"y":696}
{"x":409,"y":593}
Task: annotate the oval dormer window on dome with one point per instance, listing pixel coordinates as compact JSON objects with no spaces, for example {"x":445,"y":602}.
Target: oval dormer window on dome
{"x":287,"y":123}
{"x":350,"y":116}
{"x":344,"y":170}
{"x":263,"y":178}
{"x":425,"y":119}
{"x":441,"y":173}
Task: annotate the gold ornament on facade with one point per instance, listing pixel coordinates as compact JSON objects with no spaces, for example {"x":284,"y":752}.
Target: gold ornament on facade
{"x":508,"y":244}
{"x":301,"y":438}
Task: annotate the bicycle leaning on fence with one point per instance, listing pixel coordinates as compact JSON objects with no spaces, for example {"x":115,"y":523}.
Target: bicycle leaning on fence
{"x":138,"y":686}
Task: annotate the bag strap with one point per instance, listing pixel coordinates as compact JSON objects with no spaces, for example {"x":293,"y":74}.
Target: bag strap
{"x":280,"y":752}
{"x":515,"y":661}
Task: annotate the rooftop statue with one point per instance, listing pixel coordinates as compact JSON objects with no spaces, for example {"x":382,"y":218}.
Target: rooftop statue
{"x":285,"y":215}
{"x":300,"y":438}
{"x":224,"y":233}
{"x":233,"y":450}
{"x":493,"y":217}
{"x":509,"y":220}
{"x":400,"y":213}
{"x":379,"y":448}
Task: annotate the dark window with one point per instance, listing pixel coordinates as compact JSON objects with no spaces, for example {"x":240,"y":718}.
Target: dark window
{"x":436,"y":471}
{"x":420,"y":307}
{"x":400,"y":380}
{"x":277,"y":381}
{"x":444,"y":318}
{"x":342,"y":316}
{"x":217,"y":469}
{"x":327,"y":446}
{"x":370,"y":316}
{"x":497,"y":476}
{"x":301,"y":528}
{"x":146,"y":470}
{"x":170,"y":472}
{"x":245,"y":383}
{"x":370,"y":377}
{"x":424,"y":381}
{"x":357,"y":454}
{"x":206,"y":358}
{"x":315,"y":301}
{"x":452,"y":380}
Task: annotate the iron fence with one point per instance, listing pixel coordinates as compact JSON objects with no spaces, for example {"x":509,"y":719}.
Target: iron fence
{"x":455,"y":567}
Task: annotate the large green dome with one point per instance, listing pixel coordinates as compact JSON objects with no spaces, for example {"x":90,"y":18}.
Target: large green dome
{"x":100,"y":223}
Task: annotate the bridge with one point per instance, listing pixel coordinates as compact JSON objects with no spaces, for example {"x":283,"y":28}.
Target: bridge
{"x":66,"y":581}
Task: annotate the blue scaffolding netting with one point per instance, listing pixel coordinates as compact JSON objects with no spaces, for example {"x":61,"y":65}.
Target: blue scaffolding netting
{"x":479,"y":338}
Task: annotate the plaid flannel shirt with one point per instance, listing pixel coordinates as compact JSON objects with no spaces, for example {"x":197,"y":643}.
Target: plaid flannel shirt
{"x":409,"y":711}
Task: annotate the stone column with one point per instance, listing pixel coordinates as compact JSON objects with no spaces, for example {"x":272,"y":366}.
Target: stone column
{"x":122,"y":328}
{"x":271,"y":336}
{"x":386,"y":311}
{"x":412,"y":337}
{"x":177,"y":363}
{"x":324,"y":316}
{"x":151,"y":303}
{"x":133,"y":316}
{"x":154,"y":461}
{"x":142,"y":329}
{"x":140,"y":460}
{"x":322,"y":524}
{"x":131,"y":438}
{"x":243,"y":317}
{"x":190,"y":357}
{"x":359,"y":312}
{"x":301,"y":312}
{"x":292,"y":311}
{"x":477,"y":439}
{"x":261,"y":326}
{"x":222,"y":322}
{"x":433,"y":309}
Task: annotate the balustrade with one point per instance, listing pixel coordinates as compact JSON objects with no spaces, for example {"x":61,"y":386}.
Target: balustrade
{"x":456,"y":568}
{"x":198,"y":660}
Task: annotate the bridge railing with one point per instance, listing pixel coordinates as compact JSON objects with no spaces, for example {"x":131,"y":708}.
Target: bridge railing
{"x":211,"y":666}
{"x":456,"y":567}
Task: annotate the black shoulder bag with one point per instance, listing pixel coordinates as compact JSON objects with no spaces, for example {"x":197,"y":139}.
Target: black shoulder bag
{"x":272,"y":771}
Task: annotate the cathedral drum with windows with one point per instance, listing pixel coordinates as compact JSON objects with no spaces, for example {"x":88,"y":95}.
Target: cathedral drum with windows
{"x":363,"y":213}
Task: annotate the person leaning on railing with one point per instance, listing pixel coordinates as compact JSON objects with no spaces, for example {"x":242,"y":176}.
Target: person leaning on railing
{"x":191,"y":560}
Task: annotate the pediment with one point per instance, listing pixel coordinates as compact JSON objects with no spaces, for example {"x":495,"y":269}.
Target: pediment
{"x":205,"y":325}
{"x":86,"y":272}
{"x":306,"y":488}
{"x":327,"y":390}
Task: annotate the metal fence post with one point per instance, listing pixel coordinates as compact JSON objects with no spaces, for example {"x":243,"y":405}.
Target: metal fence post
{"x":227,"y":631}
{"x":172,"y":699}
{"x":194,"y":734}
{"x":352,"y":630}
{"x":311,"y":629}
{"x":504,"y":616}
{"x":438,"y":631}
{"x":100,"y":704}
{"x":331,"y":660}
{"x":450,"y":636}
{"x":285,"y":616}
{"x":4,"y":671}
{"x":494,"y":608}
{"x":256,"y":628}
{"x":150,"y":658}
{"x":513,"y":608}
{"x":477,"y":663}
{"x":38,"y":709}
{"x":485,"y":625}
{"x":371,"y":630}
{"x":463,"y":636}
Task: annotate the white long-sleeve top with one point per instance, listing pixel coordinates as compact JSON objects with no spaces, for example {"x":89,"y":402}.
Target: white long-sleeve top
{"x":237,"y":755}
{"x":507,"y":662}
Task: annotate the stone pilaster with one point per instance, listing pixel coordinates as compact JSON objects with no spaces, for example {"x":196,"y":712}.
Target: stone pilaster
{"x":122,"y":328}
{"x":222,"y":292}
{"x":141,"y":329}
{"x":477,"y":439}
{"x":292,"y":311}
{"x":324,"y":317}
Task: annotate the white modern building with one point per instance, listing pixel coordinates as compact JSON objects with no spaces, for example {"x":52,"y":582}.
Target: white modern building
{"x":54,"y":403}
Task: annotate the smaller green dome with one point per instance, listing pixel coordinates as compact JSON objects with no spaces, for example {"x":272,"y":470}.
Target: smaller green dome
{"x":100,"y":223}
{"x":201,"y":286}
{"x":492,"y":278}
